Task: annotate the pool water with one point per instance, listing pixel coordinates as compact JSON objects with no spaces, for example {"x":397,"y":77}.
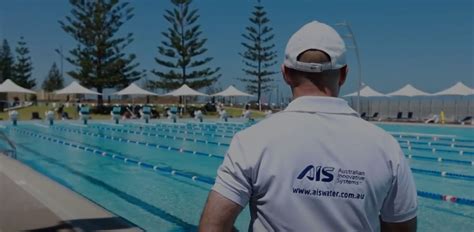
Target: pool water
{"x":158,"y":175}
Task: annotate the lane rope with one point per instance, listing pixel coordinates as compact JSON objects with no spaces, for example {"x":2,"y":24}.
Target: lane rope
{"x":159,"y":135}
{"x":119,"y":157}
{"x":205,"y":179}
{"x":151,"y":145}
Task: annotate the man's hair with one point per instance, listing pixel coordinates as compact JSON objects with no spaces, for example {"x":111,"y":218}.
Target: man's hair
{"x":322,"y":79}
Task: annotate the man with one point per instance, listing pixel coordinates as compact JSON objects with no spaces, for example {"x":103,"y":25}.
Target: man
{"x":316,"y":166}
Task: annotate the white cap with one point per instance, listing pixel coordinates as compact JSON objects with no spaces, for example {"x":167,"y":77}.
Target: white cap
{"x":317,"y":36}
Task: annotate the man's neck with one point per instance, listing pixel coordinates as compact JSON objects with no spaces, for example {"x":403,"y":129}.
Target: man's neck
{"x":313,"y":91}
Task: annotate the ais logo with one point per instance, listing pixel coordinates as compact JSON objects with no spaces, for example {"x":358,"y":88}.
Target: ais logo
{"x":318,"y":173}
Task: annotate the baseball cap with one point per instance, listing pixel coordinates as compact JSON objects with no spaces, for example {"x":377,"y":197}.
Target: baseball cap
{"x":315,"y":36}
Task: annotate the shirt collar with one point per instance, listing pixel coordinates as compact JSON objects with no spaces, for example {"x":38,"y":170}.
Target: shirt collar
{"x":315,"y":104}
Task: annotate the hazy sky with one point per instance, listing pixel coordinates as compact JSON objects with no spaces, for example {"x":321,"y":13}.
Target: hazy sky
{"x":428,"y":43}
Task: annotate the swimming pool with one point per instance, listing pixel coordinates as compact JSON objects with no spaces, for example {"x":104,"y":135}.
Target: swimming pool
{"x":158,"y":175}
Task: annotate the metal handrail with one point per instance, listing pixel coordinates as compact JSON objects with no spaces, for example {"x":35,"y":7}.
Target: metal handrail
{"x":12,"y":151}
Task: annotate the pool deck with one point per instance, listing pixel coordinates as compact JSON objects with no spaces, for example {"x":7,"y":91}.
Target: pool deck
{"x":32,"y":202}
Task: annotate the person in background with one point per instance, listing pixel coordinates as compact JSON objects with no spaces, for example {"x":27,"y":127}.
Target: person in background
{"x":60,"y":111}
{"x":247,"y":114}
{"x":316,"y":166}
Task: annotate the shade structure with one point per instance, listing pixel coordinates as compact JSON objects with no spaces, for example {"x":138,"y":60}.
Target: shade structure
{"x":231,"y":91}
{"x":133,"y":89}
{"x":76,"y":88}
{"x":366,"y":92}
{"x":185,"y":90}
{"x":457,"y":89}
{"x":8,"y":86}
{"x":408,"y":91}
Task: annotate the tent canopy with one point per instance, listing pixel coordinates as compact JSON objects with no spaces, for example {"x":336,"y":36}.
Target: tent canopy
{"x":8,"y":86}
{"x":366,"y":92}
{"x":231,"y":91}
{"x":408,"y":91}
{"x":133,"y":89}
{"x":185,"y":90}
{"x":457,"y":89}
{"x":75,"y":88}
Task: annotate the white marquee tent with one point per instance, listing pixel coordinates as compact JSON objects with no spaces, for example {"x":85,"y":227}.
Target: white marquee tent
{"x":75,"y":88}
{"x":231,"y":91}
{"x":408,"y":91}
{"x":458,"y":89}
{"x":134,"y":89}
{"x":9,"y":86}
{"x":185,"y":90}
{"x":366,"y":91}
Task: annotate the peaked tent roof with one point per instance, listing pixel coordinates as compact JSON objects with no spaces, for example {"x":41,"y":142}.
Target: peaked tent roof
{"x":366,"y":92}
{"x":231,"y":91}
{"x":408,"y":91}
{"x":76,"y":88}
{"x":134,"y":89}
{"x":457,"y":89}
{"x":8,"y":86}
{"x":185,"y":90}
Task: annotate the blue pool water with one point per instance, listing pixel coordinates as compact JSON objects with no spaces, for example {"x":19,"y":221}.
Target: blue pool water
{"x":168,"y":188}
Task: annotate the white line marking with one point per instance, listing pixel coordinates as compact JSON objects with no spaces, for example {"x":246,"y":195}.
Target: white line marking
{"x":41,"y":125}
{"x":109,"y":124}
{"x":421,"y":134}
{"x":74,"y":124}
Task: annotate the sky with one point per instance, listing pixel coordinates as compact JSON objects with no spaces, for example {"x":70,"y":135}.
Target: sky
{"x":426,"y":43}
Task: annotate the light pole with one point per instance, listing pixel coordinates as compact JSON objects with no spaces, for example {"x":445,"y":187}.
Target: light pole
{"x":356,"y":48}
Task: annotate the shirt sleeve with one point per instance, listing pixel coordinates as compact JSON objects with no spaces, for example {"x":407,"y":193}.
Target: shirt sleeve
{"x":232,"y":179}
{"x":401,"y":202}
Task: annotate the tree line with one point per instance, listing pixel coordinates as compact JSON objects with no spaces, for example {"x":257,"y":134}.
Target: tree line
{"x":18,"y":67}
{"x":100,"y":59}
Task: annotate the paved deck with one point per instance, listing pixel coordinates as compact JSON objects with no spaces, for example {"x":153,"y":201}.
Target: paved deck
{"x":32,"y":202}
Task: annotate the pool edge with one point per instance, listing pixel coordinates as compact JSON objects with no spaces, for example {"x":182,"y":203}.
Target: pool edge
{"x":44,"y":195}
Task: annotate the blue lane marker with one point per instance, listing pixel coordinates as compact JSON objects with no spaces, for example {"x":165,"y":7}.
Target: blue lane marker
{"x":434,"y":150}
{"x":159,"y":135}
{"x":194,"y":128}
{"x":432,"y":138}
{"x":435,"y":143}
{"x":443,"y":174}
{"x":166,"y":170}
{"x":430,"y":148}
{"x":209,"y":180}
{"x":225,"y":144}
{"x":157,"y":146}
{"x":448,"y":198}
{"x":214,"y":135}
{"x":440,"y":159}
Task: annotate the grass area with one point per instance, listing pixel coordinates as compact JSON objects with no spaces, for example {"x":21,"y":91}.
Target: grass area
{"x":25,"y":113}
{"x":237,"y":112}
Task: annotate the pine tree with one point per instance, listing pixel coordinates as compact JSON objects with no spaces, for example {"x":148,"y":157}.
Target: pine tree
{"x":99,"y":57}
{"x":7,"y":62}
{"x":23,"y":66}
{"x":54,"y":80}
{"x":259,"y":55}
{"x":181,"y":51}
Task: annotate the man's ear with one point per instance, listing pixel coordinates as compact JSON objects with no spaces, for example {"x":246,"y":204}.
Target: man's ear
{"x":343,"y":75}
{"x":284,"y":73}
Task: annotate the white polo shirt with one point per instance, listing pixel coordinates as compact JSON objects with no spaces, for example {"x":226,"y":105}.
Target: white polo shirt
{"x":317,"y":166}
